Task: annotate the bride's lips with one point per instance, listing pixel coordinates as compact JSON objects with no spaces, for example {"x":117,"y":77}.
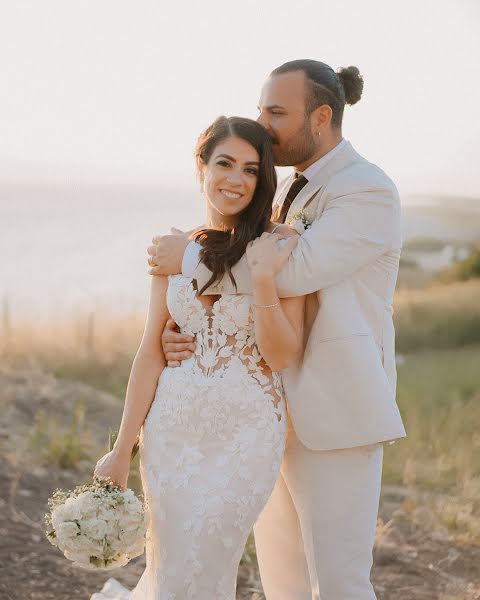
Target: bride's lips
{"x":231,"y":195}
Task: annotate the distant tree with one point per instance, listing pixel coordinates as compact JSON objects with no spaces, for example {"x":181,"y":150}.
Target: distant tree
{"x":424,"y":244}
{"x":469,"y":268}
{"x":408,"y":263}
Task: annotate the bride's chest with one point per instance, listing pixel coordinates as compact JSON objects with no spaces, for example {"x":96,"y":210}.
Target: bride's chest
{"x":228,"y":314}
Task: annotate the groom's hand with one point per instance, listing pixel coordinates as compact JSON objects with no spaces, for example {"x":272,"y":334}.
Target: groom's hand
{"x":176,"y":346}
{"x":166,"y":253}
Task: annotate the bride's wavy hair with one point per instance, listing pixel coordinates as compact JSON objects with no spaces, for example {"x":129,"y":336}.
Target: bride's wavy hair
{"x":222,"y":248}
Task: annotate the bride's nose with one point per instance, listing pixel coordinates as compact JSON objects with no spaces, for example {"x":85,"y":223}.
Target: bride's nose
{"x":234,"y":178}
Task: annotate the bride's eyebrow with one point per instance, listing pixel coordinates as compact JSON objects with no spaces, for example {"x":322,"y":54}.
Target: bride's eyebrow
{"x":228,"y":157}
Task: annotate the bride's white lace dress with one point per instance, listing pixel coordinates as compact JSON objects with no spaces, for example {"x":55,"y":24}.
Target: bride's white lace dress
{"x":211,"y":448}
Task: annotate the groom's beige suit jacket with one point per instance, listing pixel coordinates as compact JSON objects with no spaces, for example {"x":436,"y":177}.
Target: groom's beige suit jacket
{"x":341,"y":390}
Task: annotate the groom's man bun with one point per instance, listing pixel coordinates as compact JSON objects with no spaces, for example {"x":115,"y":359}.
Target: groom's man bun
{"x":352,"y":83}
{"x":326,"y":86}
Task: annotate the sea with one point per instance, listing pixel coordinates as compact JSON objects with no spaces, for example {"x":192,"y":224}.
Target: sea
{"x":74,"y":248}
{"x":65,"y":249}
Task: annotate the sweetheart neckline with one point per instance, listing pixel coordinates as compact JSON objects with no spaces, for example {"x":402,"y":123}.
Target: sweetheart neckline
{"x":208,"y":310}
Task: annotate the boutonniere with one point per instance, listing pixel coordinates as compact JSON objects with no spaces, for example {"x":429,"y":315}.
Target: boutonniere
{"x":300,"y":221}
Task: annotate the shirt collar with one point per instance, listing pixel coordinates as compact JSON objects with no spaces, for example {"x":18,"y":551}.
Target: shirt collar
{"x":314,"y":168}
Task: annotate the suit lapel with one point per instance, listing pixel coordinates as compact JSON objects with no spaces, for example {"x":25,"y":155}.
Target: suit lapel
{"x":282,"y":191}
{"x":346,"y":157}
{"x":306,"y":196}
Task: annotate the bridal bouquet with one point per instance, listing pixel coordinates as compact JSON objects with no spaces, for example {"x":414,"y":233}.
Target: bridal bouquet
{"x":97,"y":525}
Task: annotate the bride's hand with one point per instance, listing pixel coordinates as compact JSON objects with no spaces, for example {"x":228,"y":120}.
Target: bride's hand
{"x":114,"y":466}
{"x":265,"y":257}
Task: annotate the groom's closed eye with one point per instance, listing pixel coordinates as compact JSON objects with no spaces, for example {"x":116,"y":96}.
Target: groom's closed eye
{"x":275,"y":109}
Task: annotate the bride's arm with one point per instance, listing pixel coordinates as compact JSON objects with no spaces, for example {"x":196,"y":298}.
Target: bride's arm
{"x":147,"y":366}
{"x":278,"y":327}
{"x":278,"y":322}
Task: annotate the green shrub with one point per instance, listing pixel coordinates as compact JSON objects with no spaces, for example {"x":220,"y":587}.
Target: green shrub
{"x":424,"y":244}
{"x":58,"y":445}
{"x":466,"y":269}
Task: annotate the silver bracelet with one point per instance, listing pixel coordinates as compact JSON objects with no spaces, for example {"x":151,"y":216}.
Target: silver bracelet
{"x":277,"y":303}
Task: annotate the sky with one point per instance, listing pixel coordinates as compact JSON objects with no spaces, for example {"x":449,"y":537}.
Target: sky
{"x":117,"y":91}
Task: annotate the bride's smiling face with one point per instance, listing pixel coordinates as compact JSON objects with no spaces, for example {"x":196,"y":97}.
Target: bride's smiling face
{"x":229,"y":179}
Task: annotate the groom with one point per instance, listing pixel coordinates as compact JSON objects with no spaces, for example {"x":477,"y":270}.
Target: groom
{"x":315,"y":537}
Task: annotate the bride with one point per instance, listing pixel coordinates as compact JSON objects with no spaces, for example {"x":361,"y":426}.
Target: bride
{"x":212,"y":431}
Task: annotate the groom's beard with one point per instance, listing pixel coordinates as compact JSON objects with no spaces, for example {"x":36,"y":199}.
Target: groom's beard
{"x":299,"y":149}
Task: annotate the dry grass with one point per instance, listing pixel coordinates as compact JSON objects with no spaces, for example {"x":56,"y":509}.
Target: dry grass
{"x":431,"y":553}
{"x":438,"y":387}
{"x":96,"y":348}
{"x":439,"y":397}
{"x":439,"y":316}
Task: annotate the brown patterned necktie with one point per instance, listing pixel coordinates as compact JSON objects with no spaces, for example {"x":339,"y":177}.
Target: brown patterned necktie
{"x":297,"y":185}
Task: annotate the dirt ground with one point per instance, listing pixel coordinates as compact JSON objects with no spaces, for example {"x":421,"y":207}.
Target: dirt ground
{"x":411,"y":561}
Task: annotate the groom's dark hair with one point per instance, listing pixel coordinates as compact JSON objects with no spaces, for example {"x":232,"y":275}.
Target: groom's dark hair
{"x":325,"y":86}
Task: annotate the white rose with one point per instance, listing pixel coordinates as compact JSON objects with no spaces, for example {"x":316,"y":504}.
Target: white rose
{"x":71,"y":509}
{"x":90,"y":547}
{"x":128,"y":538}
{"x":129,"y":495}
{"x":66,"y":531}
{"x":135,"y":549}
{"x":95,"y":528}
{"x":59,"y":515}
{"x":135,"y":519}
{"x":88,"y":504}
{"x":81,"y":560}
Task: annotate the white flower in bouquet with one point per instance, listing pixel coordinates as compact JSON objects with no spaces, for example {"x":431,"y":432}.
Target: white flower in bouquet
{"x":97,"y":526}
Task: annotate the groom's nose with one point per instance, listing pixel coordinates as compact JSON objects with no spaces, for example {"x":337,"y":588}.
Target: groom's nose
{"x":263,"y":120}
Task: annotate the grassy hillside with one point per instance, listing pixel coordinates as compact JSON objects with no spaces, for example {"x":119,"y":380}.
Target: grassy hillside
{"x":438,"y":336}
{"x":53,"y":429}
{"x":439,"y":397}
{"x":439,"y":316}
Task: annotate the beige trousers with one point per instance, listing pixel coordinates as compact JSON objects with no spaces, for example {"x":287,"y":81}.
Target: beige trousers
{"x":315,"y":536}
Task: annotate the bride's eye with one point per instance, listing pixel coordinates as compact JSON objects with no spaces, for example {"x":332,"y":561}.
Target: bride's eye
{"x":223,"y":163}
{"x":252,"y":171}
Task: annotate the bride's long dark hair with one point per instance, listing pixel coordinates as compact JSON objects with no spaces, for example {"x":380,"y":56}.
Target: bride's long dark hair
{"x":221,"y":249}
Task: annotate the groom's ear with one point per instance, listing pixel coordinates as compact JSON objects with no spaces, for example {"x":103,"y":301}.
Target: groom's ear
{"x":321,"y":117}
